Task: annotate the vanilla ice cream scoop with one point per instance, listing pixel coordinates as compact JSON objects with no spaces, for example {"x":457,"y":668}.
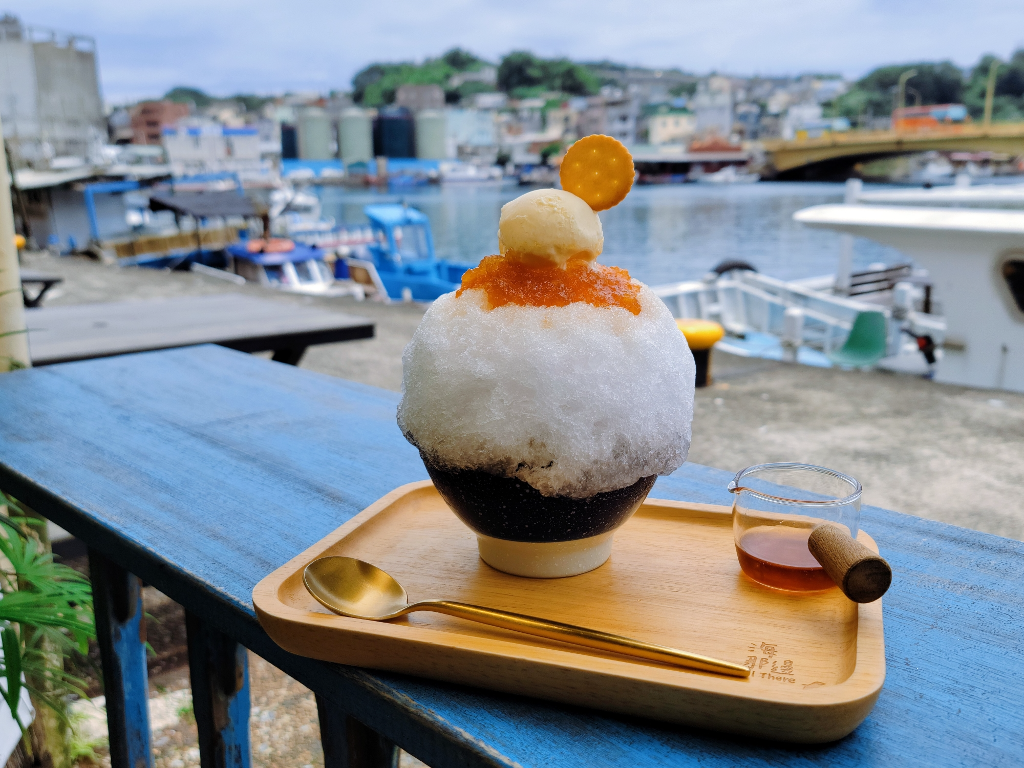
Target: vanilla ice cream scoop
{"x":549,"y":225}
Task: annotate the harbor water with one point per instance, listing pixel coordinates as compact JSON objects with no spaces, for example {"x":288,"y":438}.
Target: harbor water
{"x":660,"y":233}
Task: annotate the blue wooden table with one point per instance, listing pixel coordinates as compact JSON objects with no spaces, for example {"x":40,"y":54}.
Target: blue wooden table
{"x":201,"y":470}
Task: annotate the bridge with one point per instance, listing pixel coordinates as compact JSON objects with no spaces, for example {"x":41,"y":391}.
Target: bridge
{"x":833,"y":155}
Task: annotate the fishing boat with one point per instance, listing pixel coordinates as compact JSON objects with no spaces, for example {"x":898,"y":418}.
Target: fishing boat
{"x":296,"y":214}
{"x":288,"y":266}
{"x":400,"y":263}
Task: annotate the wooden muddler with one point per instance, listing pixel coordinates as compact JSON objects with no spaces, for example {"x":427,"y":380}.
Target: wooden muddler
{"x":860,"y":573}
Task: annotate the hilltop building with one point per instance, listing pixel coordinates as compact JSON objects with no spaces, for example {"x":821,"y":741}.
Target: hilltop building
{"x":712,"y":105}
{"x":614,"y":114}
{"x":485,"y":75}
{"x":149,"y":118}
{"x":670,"y":125}
{"x":49,"y":94}
{"x":471,"y":135}
{"x":417,"y":97}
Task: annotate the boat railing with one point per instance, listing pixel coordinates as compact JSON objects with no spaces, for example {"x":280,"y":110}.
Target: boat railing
{"x":748,"y":301}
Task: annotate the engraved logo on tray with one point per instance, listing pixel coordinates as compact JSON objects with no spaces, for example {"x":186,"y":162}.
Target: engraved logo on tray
{"x":766,"y":663}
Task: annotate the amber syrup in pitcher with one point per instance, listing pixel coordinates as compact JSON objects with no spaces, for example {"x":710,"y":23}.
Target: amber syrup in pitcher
{"x":778,"y":557}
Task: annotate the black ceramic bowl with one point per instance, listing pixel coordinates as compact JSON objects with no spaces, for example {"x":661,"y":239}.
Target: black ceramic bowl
{"x":502,"y":509}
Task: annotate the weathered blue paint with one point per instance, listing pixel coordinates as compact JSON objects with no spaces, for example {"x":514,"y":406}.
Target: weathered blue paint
{"x":219,"y":672}
{"x":348,"y":743}
{"x":121,"y":636}
{"x":202,"y":470}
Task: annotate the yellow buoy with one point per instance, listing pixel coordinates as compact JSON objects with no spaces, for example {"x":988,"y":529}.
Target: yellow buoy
{"x":700,"y":334}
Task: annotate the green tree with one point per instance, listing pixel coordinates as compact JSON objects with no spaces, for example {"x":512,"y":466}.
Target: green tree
{"x":367,"y":77}
{"x":521,"y":70}
{"x":1008,"y":100}
{"x":186,"y":95}
{"x":461,"y":60}
{"x":252,"y":102}
{"x":934,"y":83}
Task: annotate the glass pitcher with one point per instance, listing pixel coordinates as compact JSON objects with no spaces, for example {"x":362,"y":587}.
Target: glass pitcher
{"x":776,"y":507}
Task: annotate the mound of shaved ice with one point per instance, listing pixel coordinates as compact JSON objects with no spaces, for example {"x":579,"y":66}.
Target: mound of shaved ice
{"x":573,"y":400}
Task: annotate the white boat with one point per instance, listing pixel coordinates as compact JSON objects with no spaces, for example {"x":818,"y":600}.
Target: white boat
{"x":975,"y":259}
{"x":462,"y":173}
{"x":730,"y":174}
{"x":297,"y":214}
{"x":804,"y":321}
{"x":959,"y":195}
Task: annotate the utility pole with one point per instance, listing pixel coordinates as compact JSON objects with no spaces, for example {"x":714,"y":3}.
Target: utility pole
{"x":901,"y":97}
{"x":13,"y":336}
{"x":990,"y":91}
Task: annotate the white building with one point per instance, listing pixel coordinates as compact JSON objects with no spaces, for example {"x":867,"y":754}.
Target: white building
{"x":614,"y":115}
{"x":806,"y":120}
{"x":674,"y":126}
{"x":485,"y":75}
{"x":49,"y":94}
{"x":208,"y":146}
{"x":471,"y":134}
{"x":712,"y":105}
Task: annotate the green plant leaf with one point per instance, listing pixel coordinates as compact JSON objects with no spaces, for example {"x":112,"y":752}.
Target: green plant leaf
{"x":12,"y":666}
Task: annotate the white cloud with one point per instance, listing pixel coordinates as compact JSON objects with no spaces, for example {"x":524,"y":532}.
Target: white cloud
{"x":226,"y":46}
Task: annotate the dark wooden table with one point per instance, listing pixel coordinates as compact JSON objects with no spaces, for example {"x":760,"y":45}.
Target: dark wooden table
{"x":246,"y":323}
{"x":40,"y":281}
{"x":201,"y":470}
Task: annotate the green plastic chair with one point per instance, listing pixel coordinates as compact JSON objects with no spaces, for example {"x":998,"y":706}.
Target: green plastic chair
{"x":865,"y":345}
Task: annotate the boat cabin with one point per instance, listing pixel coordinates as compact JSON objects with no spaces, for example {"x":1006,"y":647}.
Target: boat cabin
{"x":401,"y":256}
{"x":288,"y":266}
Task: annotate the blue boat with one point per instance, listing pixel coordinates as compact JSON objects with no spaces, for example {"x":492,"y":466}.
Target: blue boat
{"x":402,"y":263}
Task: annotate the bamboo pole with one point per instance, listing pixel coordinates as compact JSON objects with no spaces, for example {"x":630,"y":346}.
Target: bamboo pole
{"x":13,"y":335}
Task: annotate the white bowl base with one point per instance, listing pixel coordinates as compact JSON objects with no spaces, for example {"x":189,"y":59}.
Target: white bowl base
{"x":546,"y":560}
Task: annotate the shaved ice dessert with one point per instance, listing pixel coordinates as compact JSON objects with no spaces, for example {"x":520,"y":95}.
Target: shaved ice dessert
{"x":548,"y":393}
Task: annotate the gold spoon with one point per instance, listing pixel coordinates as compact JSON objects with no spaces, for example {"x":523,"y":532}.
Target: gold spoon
{"x":359,"y":590}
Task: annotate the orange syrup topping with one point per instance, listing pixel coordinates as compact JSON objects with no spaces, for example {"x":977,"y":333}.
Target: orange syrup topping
{"x":511,"y":281}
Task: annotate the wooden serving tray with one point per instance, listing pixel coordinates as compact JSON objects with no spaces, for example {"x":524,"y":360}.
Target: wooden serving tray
{"x":673,"y":579}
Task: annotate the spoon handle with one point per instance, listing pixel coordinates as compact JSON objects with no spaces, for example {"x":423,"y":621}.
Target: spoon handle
{"x":569,"y":633}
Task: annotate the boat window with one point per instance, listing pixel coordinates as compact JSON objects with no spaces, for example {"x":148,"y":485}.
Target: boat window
{"x":1013,"y":273}
{"x":304,"y":272}
{"x":325,"y":272}
{"x":275,"y":274}
{"x":413,"y":244}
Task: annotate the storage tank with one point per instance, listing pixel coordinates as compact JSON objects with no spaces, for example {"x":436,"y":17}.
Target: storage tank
{"x":355,"y":136}
{"x":430,"y":135}
{"x":314,"y":134}
{"x":393,"y":133}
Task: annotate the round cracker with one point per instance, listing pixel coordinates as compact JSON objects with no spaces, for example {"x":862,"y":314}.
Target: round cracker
{"x":598,"y":169}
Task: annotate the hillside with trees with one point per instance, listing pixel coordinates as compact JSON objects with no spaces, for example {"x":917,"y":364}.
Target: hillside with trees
{"x":520,"y":74}
{"x":375,"y":85}
{"x":938,"y":83}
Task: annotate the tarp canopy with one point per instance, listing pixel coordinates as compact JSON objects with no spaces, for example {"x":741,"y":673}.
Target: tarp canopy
{"x":203,"y":205}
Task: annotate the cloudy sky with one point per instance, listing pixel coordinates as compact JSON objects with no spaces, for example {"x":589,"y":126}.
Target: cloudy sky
{"x":228,"y":46}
